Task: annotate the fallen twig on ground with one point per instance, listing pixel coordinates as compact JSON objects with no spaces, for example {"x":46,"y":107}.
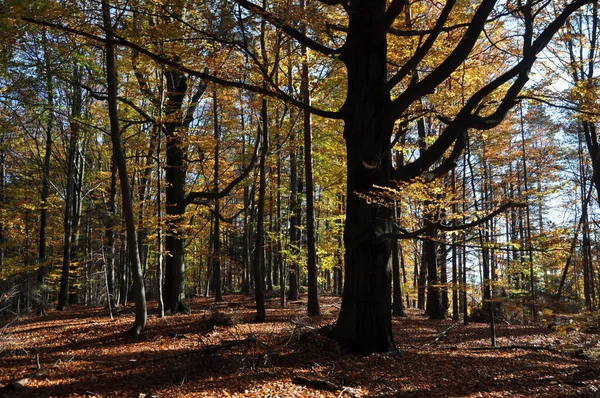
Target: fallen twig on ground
{"x":20,"y":383}
{"x":303,"y":325}
{"x":251,"y":339}
{"x":441,"y":336}
{"x":318,"y":384}
{"x":501,"y":348}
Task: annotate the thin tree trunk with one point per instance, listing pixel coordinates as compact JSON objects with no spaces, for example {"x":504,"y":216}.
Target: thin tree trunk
{"x":63,"y":295}
{"x":2,"y":196}
{"x":532,"y":281}
{"x":463,"y":254}
{"x":42,"y":256}
{"x":278,"y":255}
{"x":26,"y":262}
{"x":455,"y":276}
{"x":143,"y":192}
{"x":139,"y":323}
{"x":259,"y":248}
{"x":270,"y":244}
{"x":443,"y":276}
{"x":397,"y":307}
{"x":585,"y":232}
{"x":293,"y":211}
{"x":124,"y":268}
{"x":79,"y":170}
{"x":216,"y":257}
{"x":422,"y":280}
{"x":434,"y":304}
{"x":337,"y":271}
{"x":109,"y":224}
{"x":311,"y":243}
{"x":159,"y":234}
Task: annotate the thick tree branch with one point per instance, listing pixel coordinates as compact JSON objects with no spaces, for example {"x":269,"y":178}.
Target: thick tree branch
{"x":425,"y":32}
{"x":463,"y":121}
{"x":299,"y":36}
{"x":417,"y":32}
{"x":143,"y":80}
{"x":501,"y":209}
{"x":231,"y":220}
{"x":278,"y":93}
{"x":102,"y":96}
{"x":394,"y":9}
{"x":201,"y":197}
{"x":189,"y":114}
{"x":449,"y":163}
{"x":334,"y":2}
{"x":454,"y":60}
{"x":530,"y":51}
{"x":468,"y":118}
{"x":422,"y":51}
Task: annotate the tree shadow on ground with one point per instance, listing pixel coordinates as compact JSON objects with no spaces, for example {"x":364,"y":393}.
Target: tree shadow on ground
{"x":186,"y":355}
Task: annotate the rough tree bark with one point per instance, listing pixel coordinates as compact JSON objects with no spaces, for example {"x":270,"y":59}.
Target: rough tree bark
{"x":365,"y":320}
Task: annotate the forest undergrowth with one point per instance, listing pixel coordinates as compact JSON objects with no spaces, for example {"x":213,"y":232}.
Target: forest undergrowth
{"x":218,"y":351}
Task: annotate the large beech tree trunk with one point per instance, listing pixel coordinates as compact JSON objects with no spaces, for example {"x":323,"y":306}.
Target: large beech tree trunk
{"x":175,"y":178}
{"x":365,"y":320}
{"x":174,"y":294}
{"x":179,"y":118}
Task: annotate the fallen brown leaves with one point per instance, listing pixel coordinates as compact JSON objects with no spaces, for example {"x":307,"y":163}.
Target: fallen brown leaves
{"x":85,"y":354}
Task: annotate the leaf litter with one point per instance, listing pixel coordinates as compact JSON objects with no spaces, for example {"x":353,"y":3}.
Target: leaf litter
{"x":85,"y":354}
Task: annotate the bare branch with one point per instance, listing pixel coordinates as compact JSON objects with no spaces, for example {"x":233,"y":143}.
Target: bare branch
{"x":573,"y":108}
{"x":449,"y":228}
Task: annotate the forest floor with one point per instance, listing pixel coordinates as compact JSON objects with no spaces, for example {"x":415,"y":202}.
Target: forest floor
{"x":80,"y":352}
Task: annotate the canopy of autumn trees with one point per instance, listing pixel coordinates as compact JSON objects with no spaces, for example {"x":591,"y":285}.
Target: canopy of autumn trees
{"x":439,"y":155}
